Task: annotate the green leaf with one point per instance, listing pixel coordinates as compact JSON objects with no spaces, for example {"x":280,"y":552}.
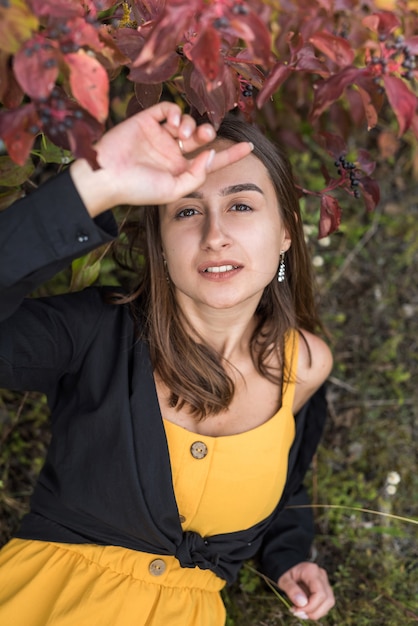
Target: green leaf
{"x":13,"y":175}
{"x":50,"y":153}
{"x":86,"y":270}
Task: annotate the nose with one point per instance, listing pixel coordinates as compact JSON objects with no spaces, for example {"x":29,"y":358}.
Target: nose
{"x":214,"y":233}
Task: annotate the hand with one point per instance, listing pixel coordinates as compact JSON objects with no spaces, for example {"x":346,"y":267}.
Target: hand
{"x":143,"y":160}
{"x":307,"y":586}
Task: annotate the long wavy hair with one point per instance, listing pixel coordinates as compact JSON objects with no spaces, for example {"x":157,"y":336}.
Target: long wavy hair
{"x":194,"y":372}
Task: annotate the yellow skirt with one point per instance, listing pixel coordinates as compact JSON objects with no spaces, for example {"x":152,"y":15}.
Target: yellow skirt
{"x":56,"y":584}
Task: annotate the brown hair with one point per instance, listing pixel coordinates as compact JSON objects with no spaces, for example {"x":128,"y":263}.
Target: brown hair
{"x":193,"y":371}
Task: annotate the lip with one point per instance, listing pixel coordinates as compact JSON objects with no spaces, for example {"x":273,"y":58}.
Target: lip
{"x":229,"y":269}
{"x":202,"y":269}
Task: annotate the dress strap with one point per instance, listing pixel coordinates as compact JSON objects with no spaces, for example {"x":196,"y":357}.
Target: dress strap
{"x":291,"y":351}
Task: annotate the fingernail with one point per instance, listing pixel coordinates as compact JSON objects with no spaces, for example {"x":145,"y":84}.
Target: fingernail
{"x":210,"y":159}
{"x":300,"y":614}
{"x":251,"y":145}
{"x":300,"y":599}
{"x":187,"y":132}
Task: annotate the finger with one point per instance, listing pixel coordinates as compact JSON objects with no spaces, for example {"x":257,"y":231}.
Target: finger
{"x":167,"y":112}
{"x":229,"y":155}
{"x":320,"y":598}
{"x":295,"y":593}
{"x":193,"y":137}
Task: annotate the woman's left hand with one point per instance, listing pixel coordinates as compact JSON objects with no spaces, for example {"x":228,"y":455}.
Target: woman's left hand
{"x":307,"y":587}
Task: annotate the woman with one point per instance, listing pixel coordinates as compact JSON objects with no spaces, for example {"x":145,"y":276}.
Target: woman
{"x":174,"y":448}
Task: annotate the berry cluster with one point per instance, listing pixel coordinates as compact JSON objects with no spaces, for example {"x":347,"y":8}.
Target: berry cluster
{"x":347,"y":168}
{"x":54,"y":115}
{"x":247,"y":90}
{"x":395,"y":49}
{"x":409,"y":61}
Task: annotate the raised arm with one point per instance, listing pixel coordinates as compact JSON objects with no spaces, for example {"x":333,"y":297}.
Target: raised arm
{"x":143,"y":162}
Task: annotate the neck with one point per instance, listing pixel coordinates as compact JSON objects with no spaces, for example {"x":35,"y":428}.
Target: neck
{"x":228,"y":331}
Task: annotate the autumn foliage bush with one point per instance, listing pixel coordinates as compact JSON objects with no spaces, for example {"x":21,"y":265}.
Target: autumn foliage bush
{"x":317,"y":68}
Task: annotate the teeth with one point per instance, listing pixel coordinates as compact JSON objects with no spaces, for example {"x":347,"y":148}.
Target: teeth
{"x":222,"y":268}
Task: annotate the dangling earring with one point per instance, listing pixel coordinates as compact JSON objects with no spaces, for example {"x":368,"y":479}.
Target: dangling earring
{"x":282,"y":269}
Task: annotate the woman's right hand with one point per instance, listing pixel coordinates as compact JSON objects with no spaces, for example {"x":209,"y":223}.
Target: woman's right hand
{"x":143,"y":160}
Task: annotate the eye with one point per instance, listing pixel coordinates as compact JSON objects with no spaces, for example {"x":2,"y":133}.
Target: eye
{"x":187,"y":212}
{"x":240,"y":208}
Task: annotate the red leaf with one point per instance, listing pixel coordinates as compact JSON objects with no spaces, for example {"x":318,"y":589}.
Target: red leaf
{"x":168,"y":31}
{"x":81,"y":139}
{"x":371,"y":192}
{"x":215,"y":103}
{"x":330,"y":216}
{"x":14,"y":130}
{"x":17,"y":23}
{"x":11,"y":95}
{"x":250,"y":72}
{"x":275,"y":79}
{"x":89,"y":83}
{"x":151,"y":75}
{"x":129,"y":41}
{"x":365,"y":162}
{"x":147,"y":95}
{"x":412,"y":44}
{"x":306,"y":61}
{"x":335,"y":48}
{"x":36,"y":67}
{"x":83,"y":33}
{"x":329,"y":90}
{"x":333,"y":144}
{"x":369,"y":110}
{"x":255,"y":33}
{"x":145,"y":11}
{"x":402,"y":101}
{"x":382,"y":23}
{"x":371,"y":98}
{"x":111,"y":56}
{"x":205,"y":54}
{"x":57,"y":8}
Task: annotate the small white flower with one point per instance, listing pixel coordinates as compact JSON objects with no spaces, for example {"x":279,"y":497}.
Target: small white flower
{"x":391,"y":490}
{"x":324,"y":242}
{"x":318,"y":261}
{"x":393,"y":478}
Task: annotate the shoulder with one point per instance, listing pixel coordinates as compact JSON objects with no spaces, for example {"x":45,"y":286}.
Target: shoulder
{"x":314,"y":366}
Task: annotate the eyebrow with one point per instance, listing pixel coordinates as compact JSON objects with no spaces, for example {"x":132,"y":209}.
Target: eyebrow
{"x":227,"y":191}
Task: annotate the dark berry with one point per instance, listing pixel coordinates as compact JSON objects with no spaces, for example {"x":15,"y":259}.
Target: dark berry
{"x":221,"y":22}
{"x":240,"y":9}
{"x":49,"y":63}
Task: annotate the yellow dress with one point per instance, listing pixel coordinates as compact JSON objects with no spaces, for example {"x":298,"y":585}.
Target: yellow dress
{"x":222,"y":484}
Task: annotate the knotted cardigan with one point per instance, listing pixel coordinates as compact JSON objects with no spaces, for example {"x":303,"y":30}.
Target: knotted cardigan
{"x":107,"y":476}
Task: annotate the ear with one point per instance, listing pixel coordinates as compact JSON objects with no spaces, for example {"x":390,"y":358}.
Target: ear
{"x":287,"y":242}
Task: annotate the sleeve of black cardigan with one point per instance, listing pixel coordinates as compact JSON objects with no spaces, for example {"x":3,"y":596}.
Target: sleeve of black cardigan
{"x":41,"y":234}
{"x":289,"y":538}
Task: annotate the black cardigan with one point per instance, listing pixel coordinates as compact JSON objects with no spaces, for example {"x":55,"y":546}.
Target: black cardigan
{"x":107,"y":476}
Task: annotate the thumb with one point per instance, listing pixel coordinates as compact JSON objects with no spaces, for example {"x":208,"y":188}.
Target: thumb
{"x":294,"y":592}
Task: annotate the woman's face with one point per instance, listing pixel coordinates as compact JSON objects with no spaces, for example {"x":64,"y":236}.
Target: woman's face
{"x":222,"y":243}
